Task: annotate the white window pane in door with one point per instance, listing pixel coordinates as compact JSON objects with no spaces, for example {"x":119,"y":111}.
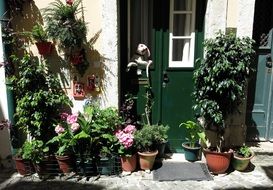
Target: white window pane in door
{"x":182,"y":5}
{"x":181,"y":50}
{"x":181,"y":24}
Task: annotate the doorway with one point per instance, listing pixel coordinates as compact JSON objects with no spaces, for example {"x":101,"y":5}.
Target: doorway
{"x":173,"y":31}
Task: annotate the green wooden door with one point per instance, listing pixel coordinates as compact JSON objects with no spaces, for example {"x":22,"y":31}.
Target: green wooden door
{"x":260,"y":119}
{"x":173,"y":30}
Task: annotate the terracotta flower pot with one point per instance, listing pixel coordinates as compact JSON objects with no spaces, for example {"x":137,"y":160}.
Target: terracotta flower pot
{"x":66,"y":163}
{"x":147,"y":159}
{"x":128,"y":164}
{"x":218,"y":162}
{"x":24,"y":167}
{"x":44,"y":48}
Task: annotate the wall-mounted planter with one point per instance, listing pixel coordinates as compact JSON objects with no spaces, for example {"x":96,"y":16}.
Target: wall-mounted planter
{"x":78,"y":90}
{"x":76,"y":59}
{"x":44,"y":48}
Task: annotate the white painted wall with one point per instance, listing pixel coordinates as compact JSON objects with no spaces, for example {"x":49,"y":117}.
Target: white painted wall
{"x":229,"y":13}
{"x":245,"y":17}
{"x":110,"y":52}
{"x":5,"y":146}
{"x":215,"y":18}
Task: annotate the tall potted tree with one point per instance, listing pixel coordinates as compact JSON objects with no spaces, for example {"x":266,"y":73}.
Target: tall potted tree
{"x":220,"y":82}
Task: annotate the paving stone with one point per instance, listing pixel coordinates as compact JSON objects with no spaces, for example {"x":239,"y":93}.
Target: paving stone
{"x":260,"y":176}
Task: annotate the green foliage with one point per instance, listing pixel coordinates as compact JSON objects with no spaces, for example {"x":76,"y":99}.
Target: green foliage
{"x":65,"y":143}
{"x":245,"y":151}
{"x":63,"y":24}
{"x":38,"y":33}
{"x":221,"y":77}
{"x":195,"y":132}
{"x":104,"y":123}
{"x":34,"y":150}
{"x":39,"y":98}
{"x":84,"y":139}
{"x":149,"y":136}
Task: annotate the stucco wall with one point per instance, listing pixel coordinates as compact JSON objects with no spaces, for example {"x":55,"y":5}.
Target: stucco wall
{"x":5,"y":147}
{"x":215,"y":18}
{"x":101,"y":19}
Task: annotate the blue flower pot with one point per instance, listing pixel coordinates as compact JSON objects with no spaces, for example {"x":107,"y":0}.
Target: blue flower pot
{"x":191,"y":154}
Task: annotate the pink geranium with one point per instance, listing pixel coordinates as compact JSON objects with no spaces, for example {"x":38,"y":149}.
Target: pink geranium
{"x":59,"y":129}
{"x":75,"y":127}
{"x":125,"y":136}
{"x":72,"y":118}
{"x":129,"y":129}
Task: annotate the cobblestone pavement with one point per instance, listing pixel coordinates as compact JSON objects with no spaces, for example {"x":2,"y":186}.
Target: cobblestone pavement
{"x":259,"y":176}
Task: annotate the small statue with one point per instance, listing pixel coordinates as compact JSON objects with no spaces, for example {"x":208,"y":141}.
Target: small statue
{"x":141,"y":58}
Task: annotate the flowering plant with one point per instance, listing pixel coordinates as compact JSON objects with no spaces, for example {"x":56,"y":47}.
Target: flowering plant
{"x":66,"y":129}
{"x":126,"y":140}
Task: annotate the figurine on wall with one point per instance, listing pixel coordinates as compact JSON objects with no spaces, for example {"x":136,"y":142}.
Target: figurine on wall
{"x":140,"y":58}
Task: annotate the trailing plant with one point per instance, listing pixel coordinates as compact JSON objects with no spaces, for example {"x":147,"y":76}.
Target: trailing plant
{"x":221,"y":78}
{"x":38,"y":97}
{"x":64,"y":26}
{"x":39,"y":34}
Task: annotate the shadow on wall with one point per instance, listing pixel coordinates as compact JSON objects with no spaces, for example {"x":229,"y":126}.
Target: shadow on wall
{"x":93,"y":65}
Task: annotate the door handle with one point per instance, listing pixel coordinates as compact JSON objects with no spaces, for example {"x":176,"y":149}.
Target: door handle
{"x":268,"y":61}
{"x":165,"y":77}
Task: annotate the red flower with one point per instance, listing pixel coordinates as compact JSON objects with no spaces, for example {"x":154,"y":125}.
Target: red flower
{"x":69,"y":2}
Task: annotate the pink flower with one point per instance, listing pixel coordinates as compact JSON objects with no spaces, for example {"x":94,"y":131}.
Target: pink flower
{"x":59,"y":129}
{"x":64,"y":116}
{"x":126,"y":139}
{"x":75,"y":127}
{"x":72,"y":118}
{"x":129,"y":129}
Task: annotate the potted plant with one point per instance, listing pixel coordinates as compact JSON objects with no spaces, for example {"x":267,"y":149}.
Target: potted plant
{"x":83,"y":140}
{"x":66,"y":130}
{"x":241,"y":158}
{"x":146,"y":140}
{"x":41,"y":37}
{"x":35,"y":150}
{"x":104,"y":124}
{"x":23,"y":166}
{"x":127,"y":149}
{"x":192,"y":147}
{"x":220,"y":82}
{"x":66,"y":26}
{"x":161,"y":139}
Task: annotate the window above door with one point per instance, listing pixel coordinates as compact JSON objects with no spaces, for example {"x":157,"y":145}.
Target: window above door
{"x":182,"y":35}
